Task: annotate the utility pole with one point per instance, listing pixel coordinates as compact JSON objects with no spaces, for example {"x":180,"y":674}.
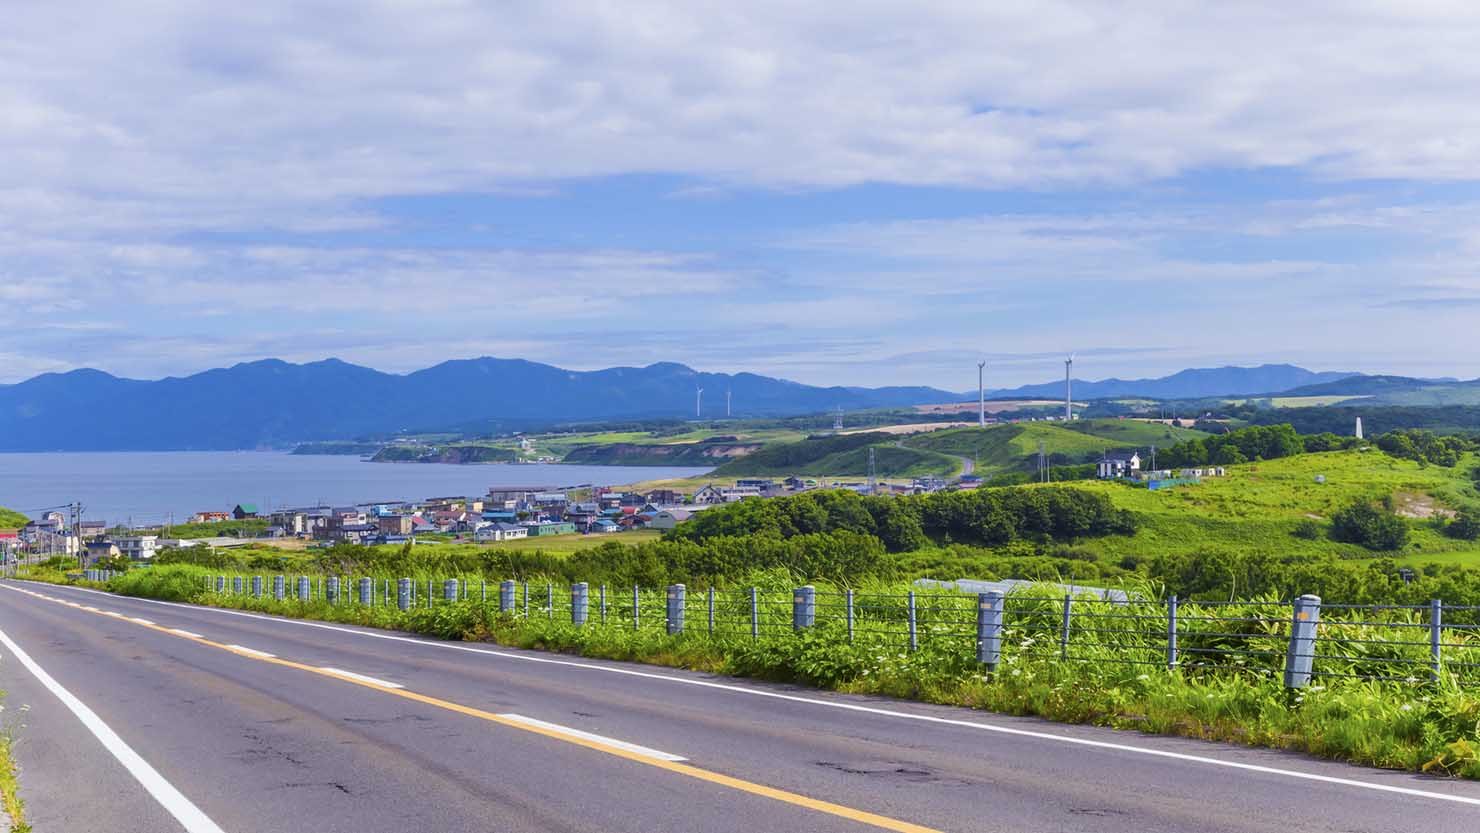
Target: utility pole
{"x":871,"y":471}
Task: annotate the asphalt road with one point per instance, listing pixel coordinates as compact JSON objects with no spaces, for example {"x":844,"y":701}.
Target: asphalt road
{"x":258,"y":743}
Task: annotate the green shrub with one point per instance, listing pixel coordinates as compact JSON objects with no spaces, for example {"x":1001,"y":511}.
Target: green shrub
{"x":1308,"y":530}
{"x":1370,"y":526}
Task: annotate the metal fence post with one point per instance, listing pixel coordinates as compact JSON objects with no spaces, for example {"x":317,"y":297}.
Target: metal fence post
{"x":525,"y":587}
{"x":304,"y":589}
{"x":430,"y":593}
{"x":1436,"y":634}
{"x":1301,"y":655}
{"x":676,"y":596}
{"x":506,"y":596}
{"x":635,"y":605}
{"x":914,"y":635}
{"x":580,"y":601}
{"x":711,"y":610}
{"x":485,"y":591}
{"x":279,"y":589}
{"x":603,"y":604}
{"x":989,"y":607}
{"x":236,"y":585}
{"x":549,"y":600}
{"x":803,"y":607}
{"x":367,"y":591}
{"x":1171,"y":633}
{"x":256,"y":587}
{"x":1064,"y":630}
{"x":449,"y":590}
{"x":220,"y":584}
{"x":332,"y":590}
{"x":403,"y":594}
{"x":848,"y":603}
{"x":755,"y":614}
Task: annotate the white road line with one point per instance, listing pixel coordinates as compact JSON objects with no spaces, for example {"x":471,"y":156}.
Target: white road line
{"x":191,"y":634}
{"x":853,"y":707}
{"x":140,"y":621}
{"x":364,"y":678}
{"x":601,"y":739}
{"x":190,"y":816}
{"x":253,"y":651}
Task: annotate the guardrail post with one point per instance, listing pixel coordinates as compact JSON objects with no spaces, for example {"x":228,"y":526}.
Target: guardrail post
{"x":331,"y":590}
{"x":803,"y":607}
{"x":676,"y":595}
{"x":367,"y":591}
{"x":1300,"y":658}
{"x":755,"y":614}
{"x":236,"y":585}
{"x":220,"y":584}
{"x":449,"y":590}
{"x":989,"y":607}
{"x":256,"y":587}
{"x":1064,"y":629}
{"x":848,"y":603}
{"x":580,"y":600}
{"x":506,"y":596}
{"x":1171,"y":633}
{"x":914,"y":635}
{"x":279,"y":588}
{"x":403,"y":594}
{"x":304,"y":593}
{"x":1436,"y":637}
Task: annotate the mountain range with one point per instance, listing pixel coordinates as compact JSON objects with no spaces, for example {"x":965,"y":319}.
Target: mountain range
{"x":1186,"y":384}
{"x":273,"y":403}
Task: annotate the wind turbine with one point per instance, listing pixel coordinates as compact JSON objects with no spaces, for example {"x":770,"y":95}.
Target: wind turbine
{"x":1069,"y":388}
{"x":698,"y":402}
{"x":981,"y":394}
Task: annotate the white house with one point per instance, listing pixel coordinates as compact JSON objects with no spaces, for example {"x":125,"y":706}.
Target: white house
{"x":1118,"y":464}
{"x":138,"y":547}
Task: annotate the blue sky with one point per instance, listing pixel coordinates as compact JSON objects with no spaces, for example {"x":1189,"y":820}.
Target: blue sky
{"x":880,"y":198}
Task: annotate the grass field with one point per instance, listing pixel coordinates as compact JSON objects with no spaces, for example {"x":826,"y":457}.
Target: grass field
{"x":1257,"y":507}
{"x":1007,"y":448}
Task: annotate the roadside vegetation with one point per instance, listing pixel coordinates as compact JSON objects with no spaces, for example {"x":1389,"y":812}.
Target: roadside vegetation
{"x":10,"y":799}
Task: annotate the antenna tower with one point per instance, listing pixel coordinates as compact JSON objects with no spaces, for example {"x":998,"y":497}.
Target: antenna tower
{"x":698,"y":402}
{"x":872,"y":475}
{"x":838,"y":419}
{"x":1042,"y":464}
{"x":728,"y":392}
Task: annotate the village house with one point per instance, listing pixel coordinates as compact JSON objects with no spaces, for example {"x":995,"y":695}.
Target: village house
{"x":210,"y":517}
{"x":665,"y":497}
{"x":394,"y":524}
{"x":550,"y":528}
{"x":92,"y":529}
{"x":99,"y":550}
{"x":1118,"y":464}
{"x":242,"y":511}
{"x":708,"y":495}
{"x":138,"y":547}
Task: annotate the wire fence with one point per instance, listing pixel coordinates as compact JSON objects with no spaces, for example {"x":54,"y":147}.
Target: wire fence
{"x":1301,"y":640}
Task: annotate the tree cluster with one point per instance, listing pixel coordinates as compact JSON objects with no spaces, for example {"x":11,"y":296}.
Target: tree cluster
{"x":1257,"y":442}
{"x":987,"y":517}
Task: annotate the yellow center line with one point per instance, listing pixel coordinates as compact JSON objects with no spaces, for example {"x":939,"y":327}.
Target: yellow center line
{"x":850,"y":813}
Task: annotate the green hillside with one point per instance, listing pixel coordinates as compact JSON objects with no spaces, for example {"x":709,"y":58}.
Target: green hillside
{"x":1000,"y":449}
{"x":10,"y":519}
{"x":842,"y":455}
{"x":1257,"y":507}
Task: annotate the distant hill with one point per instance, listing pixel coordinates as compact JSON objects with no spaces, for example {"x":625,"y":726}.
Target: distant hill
{"x":273,"y":403}
{"x":1195,"y":383}
{"x":1397,"y":390}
